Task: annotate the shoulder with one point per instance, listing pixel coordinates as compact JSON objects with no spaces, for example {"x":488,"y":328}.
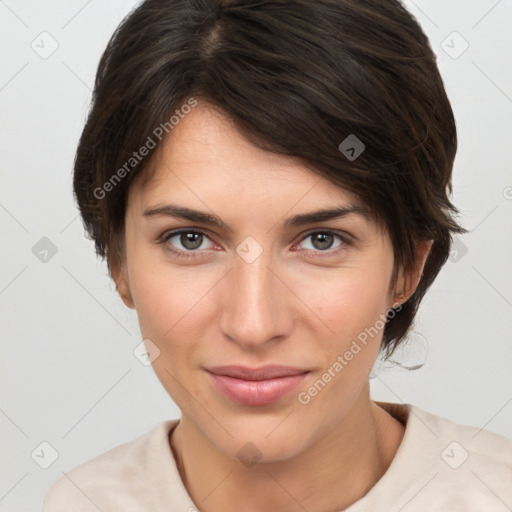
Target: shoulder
{"x":117,"y":478}
{"x":482,"y":448}
{"x":459,"y":467}
{"x":474,"y":466}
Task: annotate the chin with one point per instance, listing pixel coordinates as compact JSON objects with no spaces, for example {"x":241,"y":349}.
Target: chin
{"x":267,"y":439}
{"x":263,"y":451}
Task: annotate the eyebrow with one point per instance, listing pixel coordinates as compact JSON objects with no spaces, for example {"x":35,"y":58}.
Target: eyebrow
{"x":182,"y":212}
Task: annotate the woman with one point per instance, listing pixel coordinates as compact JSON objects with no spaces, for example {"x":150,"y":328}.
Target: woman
{"x":268,"y":182}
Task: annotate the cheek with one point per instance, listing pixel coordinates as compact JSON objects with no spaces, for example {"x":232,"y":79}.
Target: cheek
{"x":354,"y":307}
{"x":170,"y":302}
{"x":161,"y":302}
{"x":170,"y":310}
{"x":350,"y":301}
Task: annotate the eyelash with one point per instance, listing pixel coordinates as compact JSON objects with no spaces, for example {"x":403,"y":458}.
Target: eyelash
{"x":346,"y":241}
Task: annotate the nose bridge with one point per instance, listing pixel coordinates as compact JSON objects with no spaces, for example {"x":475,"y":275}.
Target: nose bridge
{"x":253,"y":310}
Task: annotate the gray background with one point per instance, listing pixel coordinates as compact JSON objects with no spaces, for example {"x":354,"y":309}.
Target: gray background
{"x":69,"y":376}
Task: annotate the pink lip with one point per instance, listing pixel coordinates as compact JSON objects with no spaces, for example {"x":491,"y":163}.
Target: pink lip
{"x":256,"y":386}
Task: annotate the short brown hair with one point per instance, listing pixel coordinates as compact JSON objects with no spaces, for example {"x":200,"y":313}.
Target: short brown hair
{"x":297,"y":77}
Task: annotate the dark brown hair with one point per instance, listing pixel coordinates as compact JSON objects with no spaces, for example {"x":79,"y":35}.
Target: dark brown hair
{"x":297,"y":77}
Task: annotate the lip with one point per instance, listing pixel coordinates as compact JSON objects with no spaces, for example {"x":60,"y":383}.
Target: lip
{"x":256,"y":386}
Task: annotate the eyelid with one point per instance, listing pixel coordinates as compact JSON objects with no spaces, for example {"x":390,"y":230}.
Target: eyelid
{"x":342,"y":234}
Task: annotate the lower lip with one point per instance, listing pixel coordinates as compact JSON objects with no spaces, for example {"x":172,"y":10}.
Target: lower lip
{"x":256,"y":392}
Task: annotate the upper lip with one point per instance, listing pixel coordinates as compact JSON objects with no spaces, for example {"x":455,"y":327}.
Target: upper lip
{"x":261,"y":373}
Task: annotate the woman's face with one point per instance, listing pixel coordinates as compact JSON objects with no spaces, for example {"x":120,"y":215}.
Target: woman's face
{"x":254,"y":290}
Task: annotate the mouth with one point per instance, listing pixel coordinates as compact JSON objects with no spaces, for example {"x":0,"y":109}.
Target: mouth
{"x":256,"y":386}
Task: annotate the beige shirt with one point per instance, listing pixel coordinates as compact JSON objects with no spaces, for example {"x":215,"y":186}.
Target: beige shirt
{"x":440,"y":466}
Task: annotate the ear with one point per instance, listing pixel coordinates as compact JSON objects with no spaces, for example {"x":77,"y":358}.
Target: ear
{"x":120,"y":276}
{"x":409,"y":278}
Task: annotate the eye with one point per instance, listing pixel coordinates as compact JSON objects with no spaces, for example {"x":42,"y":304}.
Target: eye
{"x":190,"y":240}
{"x":322,"y":242}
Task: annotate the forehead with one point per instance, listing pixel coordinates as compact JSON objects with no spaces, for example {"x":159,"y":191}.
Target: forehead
{"x":205,"y":157}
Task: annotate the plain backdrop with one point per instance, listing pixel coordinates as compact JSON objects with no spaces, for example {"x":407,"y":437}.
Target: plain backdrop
{"x":69,"y":378}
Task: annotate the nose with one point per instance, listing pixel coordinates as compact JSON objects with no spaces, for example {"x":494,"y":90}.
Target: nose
{"x":256,"y":306}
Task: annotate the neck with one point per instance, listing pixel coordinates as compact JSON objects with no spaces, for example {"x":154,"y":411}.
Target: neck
{"x":330,"y":475}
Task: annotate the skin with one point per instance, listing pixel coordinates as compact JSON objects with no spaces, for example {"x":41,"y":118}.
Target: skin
{"x":287,"y":307}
